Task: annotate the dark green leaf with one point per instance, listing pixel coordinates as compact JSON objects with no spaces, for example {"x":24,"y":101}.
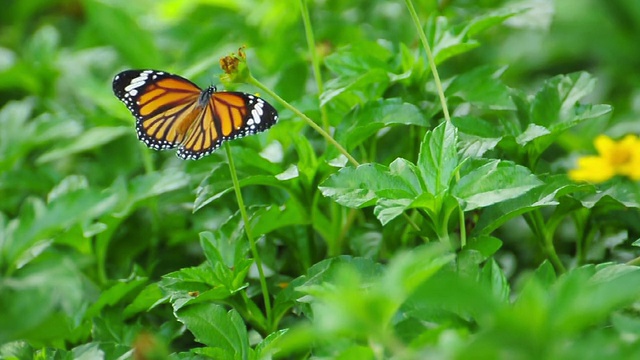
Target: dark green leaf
{"x":366,"y":120}
{"x":482,"y":88}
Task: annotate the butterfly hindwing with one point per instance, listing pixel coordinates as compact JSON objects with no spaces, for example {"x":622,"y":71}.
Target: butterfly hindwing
{"x":229,"y":115}
{"x":171,"y":111}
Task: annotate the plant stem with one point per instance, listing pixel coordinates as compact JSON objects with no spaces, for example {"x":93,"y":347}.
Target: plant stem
{"x":432,"y":63}
{"x":545,"y":239}
{"x":315,"y":61}
{"x":247,"y":229}
{"x":304,"y":117}
{"x":440,"y":90}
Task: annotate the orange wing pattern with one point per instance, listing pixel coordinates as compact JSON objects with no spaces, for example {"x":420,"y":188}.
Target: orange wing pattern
{"x":171,"y":111}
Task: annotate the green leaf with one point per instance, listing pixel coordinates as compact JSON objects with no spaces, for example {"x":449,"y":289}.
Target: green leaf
{"x":157,"y":183}
{"x":389,"y":209}
{"x":252,"y":169}
{"x":485,"y":245}
{"x":114,"y":294}
{"x":486,"y":20}
{"x":323,"y":271}
{"x":476,"y":135}
{"x":90,"y":139}
{"x":445,"y":41}
{"x":42,"y":301}
{"x":116,"y":27}
{"x":197,"y":284}
{"x":357,"y":58}
{"x":216,"y":327}
{"x":531,"y":133}
{"x":438,"y":158}
{"x":493,"y":278}
{"x":269,"y":346}
{"x":482,"y":88}
{"x":362,"y":186}
{"x":542,"y":196}
{"x":618,"y":195}
{"x":350,"y":91}
{"x":493,"y":182}
{"x":409,"y":270}
{"x":266,"y":220}
{"x":368,"y":119}
{"x":38,"y":221}
{"x":146,"y":299}
{"x":556,"y":101}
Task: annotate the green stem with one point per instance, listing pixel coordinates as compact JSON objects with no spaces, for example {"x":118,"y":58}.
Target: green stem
{"x":432,"y":63}
{"x":546,"y":240}
{"x":440,"y":90}
{"x":315,"y":62}
{"x":463,"y":227}
{"x":247,"y":229}
{"x":304,"y":117}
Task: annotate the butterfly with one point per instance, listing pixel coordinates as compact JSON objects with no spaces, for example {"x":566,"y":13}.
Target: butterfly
{"x":173,"y":112}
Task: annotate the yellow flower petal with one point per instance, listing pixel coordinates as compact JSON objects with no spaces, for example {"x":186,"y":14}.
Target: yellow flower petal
{"x":592,"y":169}
{"x":604,"y":144}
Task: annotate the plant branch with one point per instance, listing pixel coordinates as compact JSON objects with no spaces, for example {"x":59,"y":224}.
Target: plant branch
{"x":247,"y":229}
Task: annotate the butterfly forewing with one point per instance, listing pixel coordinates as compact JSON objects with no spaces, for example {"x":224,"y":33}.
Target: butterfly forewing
{"x":164,"y":105}
{"x":171,"y":111}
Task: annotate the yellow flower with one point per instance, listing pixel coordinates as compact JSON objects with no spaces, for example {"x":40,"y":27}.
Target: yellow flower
{"x":615,"y":158}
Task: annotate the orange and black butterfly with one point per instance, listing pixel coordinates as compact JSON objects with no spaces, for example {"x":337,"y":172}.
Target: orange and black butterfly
{"x":171,"y":112}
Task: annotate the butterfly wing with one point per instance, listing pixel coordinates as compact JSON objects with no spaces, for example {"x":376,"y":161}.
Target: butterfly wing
{"x":164,"y":105}
{"x":227,"y":115}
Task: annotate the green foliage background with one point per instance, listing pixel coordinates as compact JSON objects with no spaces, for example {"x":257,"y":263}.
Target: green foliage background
{"x":452,"y":239}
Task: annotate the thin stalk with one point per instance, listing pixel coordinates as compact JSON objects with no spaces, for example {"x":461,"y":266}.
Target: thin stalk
{"x":247,"y":229}
{"x":440,"y":90}
{"x":545,"y":239}
{"x":432,"y":63}
{"x":304,"y":117}
{"x":315,"y":61}
{"x":463,"y":227}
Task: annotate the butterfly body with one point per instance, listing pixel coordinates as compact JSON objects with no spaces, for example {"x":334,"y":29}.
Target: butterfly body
{"x":172,"y":112}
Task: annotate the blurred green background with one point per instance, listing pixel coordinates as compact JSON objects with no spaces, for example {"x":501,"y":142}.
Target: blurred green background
{"x":83,"y":195}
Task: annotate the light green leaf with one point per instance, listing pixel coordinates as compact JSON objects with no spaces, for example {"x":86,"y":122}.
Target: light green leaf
{"x":90,"y":139}
{"x":362,"y":186}
{"x":214,"y":326}
{"x":494,"y":182}
{"x":438,"y":158}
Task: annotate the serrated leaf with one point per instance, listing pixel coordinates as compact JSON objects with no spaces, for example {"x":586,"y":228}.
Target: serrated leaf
{"x":476,"y":136}
{"x":389,"y":209}
{"x":438,"y":158}
{"x":531,"y":133}
{"x":543,"y":196}
{"x":214,"y":326}
{"x":494,"y":182}
{"x":362,"y":186}
{"x":556,"y":101}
